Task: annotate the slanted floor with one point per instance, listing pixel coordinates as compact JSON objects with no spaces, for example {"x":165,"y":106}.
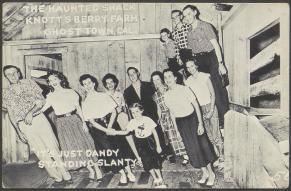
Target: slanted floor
{"x":175,"y":176}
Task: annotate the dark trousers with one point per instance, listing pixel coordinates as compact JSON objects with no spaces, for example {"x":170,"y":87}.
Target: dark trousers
{"x":208,"y":63}
{"x":175,"y":67}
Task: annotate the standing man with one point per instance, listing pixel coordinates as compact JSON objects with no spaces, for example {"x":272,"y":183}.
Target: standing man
{"x":23,"y":100}
{"x":207,"y":53}
{"x":142,"y":92}
{"x":180,"y":32}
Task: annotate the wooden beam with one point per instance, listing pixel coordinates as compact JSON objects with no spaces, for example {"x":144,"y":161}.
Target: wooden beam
{"x":233,"y":13}
{"x":265,"y":57}
{"x":81,"y":39}
{"x":15,"y":29}
{"x":269,"y":86}
{"x":262,"y":111}
{"x":16,"y":9}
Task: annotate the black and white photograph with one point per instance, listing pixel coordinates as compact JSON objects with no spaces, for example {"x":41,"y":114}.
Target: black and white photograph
{"x":145,"y":95}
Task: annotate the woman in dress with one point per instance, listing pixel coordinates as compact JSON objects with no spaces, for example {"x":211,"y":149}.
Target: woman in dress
{"x":169,"y":127}
{"x":71,"y":128}
{"x":201,"y":85}
{"x":99,"y":110}
{"x":183,"y":105}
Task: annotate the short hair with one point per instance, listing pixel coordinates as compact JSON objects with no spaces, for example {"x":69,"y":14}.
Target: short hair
{"x":190,"y":60}
{"x":64,"y":81}
{"x":12,"y":66}
{"x":110,"y":76}
{"x":132,"y":68}
{"x":157,"y":73}
{"x":166,"y":31}
{"x":136,"y":105}
{"x":169,"y":70}
{"x":176,"y":11}
{"x":92,"y":78}
{"x":193,"y":8}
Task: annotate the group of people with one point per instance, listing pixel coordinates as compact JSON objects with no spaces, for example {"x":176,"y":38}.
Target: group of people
{"x":179,"y":113}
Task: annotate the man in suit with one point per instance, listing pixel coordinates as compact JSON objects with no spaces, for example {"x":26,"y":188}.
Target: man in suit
{"x":142,"y":92}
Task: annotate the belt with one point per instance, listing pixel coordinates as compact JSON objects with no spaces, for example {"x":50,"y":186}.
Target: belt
{"x":67,"y":114}
{"x":34,"y":115}
{"x":202,"y":53}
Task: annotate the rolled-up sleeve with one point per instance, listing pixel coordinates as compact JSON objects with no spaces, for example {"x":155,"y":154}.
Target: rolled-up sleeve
{"x":209,"y":31}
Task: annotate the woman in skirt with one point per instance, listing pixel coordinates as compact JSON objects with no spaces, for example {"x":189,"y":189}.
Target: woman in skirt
{"x":201,"y":85}
{"x":71,"y":128}
{"x":110,"y":82}
{"x":169,"y":126}
{"x":100,"y":110}
{"x":147,"y":142}
{"x":184,"y":106}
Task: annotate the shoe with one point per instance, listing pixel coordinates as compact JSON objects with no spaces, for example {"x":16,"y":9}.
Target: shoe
{"x":172,"y":159}
{"x":156,"y":182}
{"x":123,"y":180}
{"x":216,"y":163}
{"x":70,"y":181}
{"x":185,"y":162}
{"x":161,"y":186}
{"x":203,"y":180}
{"x":212,"y":182}
{"x":91,"y":175}
{"x":131,"y":177}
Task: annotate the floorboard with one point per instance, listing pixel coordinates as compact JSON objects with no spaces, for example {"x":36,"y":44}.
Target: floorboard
{"x":176,"y":176}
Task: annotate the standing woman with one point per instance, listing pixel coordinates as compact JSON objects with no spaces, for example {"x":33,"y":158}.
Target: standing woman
{"x":171,"y":53}
{"x":206,"y":50}
{"x":201,"y":85}
{"x":71,"y":128}
{"x":99,"y":110}
{"x":169,"y":126}
{"x":110,"y":82}
{"x":184,"y":106}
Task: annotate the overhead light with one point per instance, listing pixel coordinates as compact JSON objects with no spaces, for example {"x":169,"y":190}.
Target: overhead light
{"x":222,"y":6}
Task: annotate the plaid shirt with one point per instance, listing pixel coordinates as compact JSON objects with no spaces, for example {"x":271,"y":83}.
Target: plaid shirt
{"x":180,"y":37}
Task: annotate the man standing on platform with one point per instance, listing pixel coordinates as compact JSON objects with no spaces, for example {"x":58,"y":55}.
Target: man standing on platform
{"x":207,"y":54}
{"x":180,"y":31}
{"x":23,"y":100}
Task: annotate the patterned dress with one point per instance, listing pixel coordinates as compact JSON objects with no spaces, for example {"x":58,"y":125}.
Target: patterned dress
{"x":171,"y":133}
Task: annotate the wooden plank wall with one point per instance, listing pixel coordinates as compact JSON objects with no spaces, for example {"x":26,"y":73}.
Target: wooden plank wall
{"x":258,"y":162}
{"x":97,"y":58}
{"x":115,"y":18}
{"x":236,"y":49}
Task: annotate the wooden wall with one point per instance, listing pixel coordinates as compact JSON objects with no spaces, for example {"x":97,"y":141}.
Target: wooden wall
{"x":115,"y":18}
{"x":252,"y":156}
{"x":97,"y":56}
{"x":247,"y":20}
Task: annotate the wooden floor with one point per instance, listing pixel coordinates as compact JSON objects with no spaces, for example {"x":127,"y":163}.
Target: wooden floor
{"x":175,"y":176}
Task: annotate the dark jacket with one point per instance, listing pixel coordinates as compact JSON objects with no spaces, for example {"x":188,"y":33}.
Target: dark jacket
{"x":146,"y":93}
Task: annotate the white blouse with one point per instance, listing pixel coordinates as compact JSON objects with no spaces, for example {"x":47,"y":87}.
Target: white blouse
{"x":97,"y":105}
{"x":199,"y":86}
{"x":63,"y":101}
{"x":179,"y":100}
{"x":142,"y":127}
{"x":118,"y":98}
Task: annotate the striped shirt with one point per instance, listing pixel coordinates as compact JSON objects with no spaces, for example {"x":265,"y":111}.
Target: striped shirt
{"x":180,"y":37}
{"x":199,"y":37}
